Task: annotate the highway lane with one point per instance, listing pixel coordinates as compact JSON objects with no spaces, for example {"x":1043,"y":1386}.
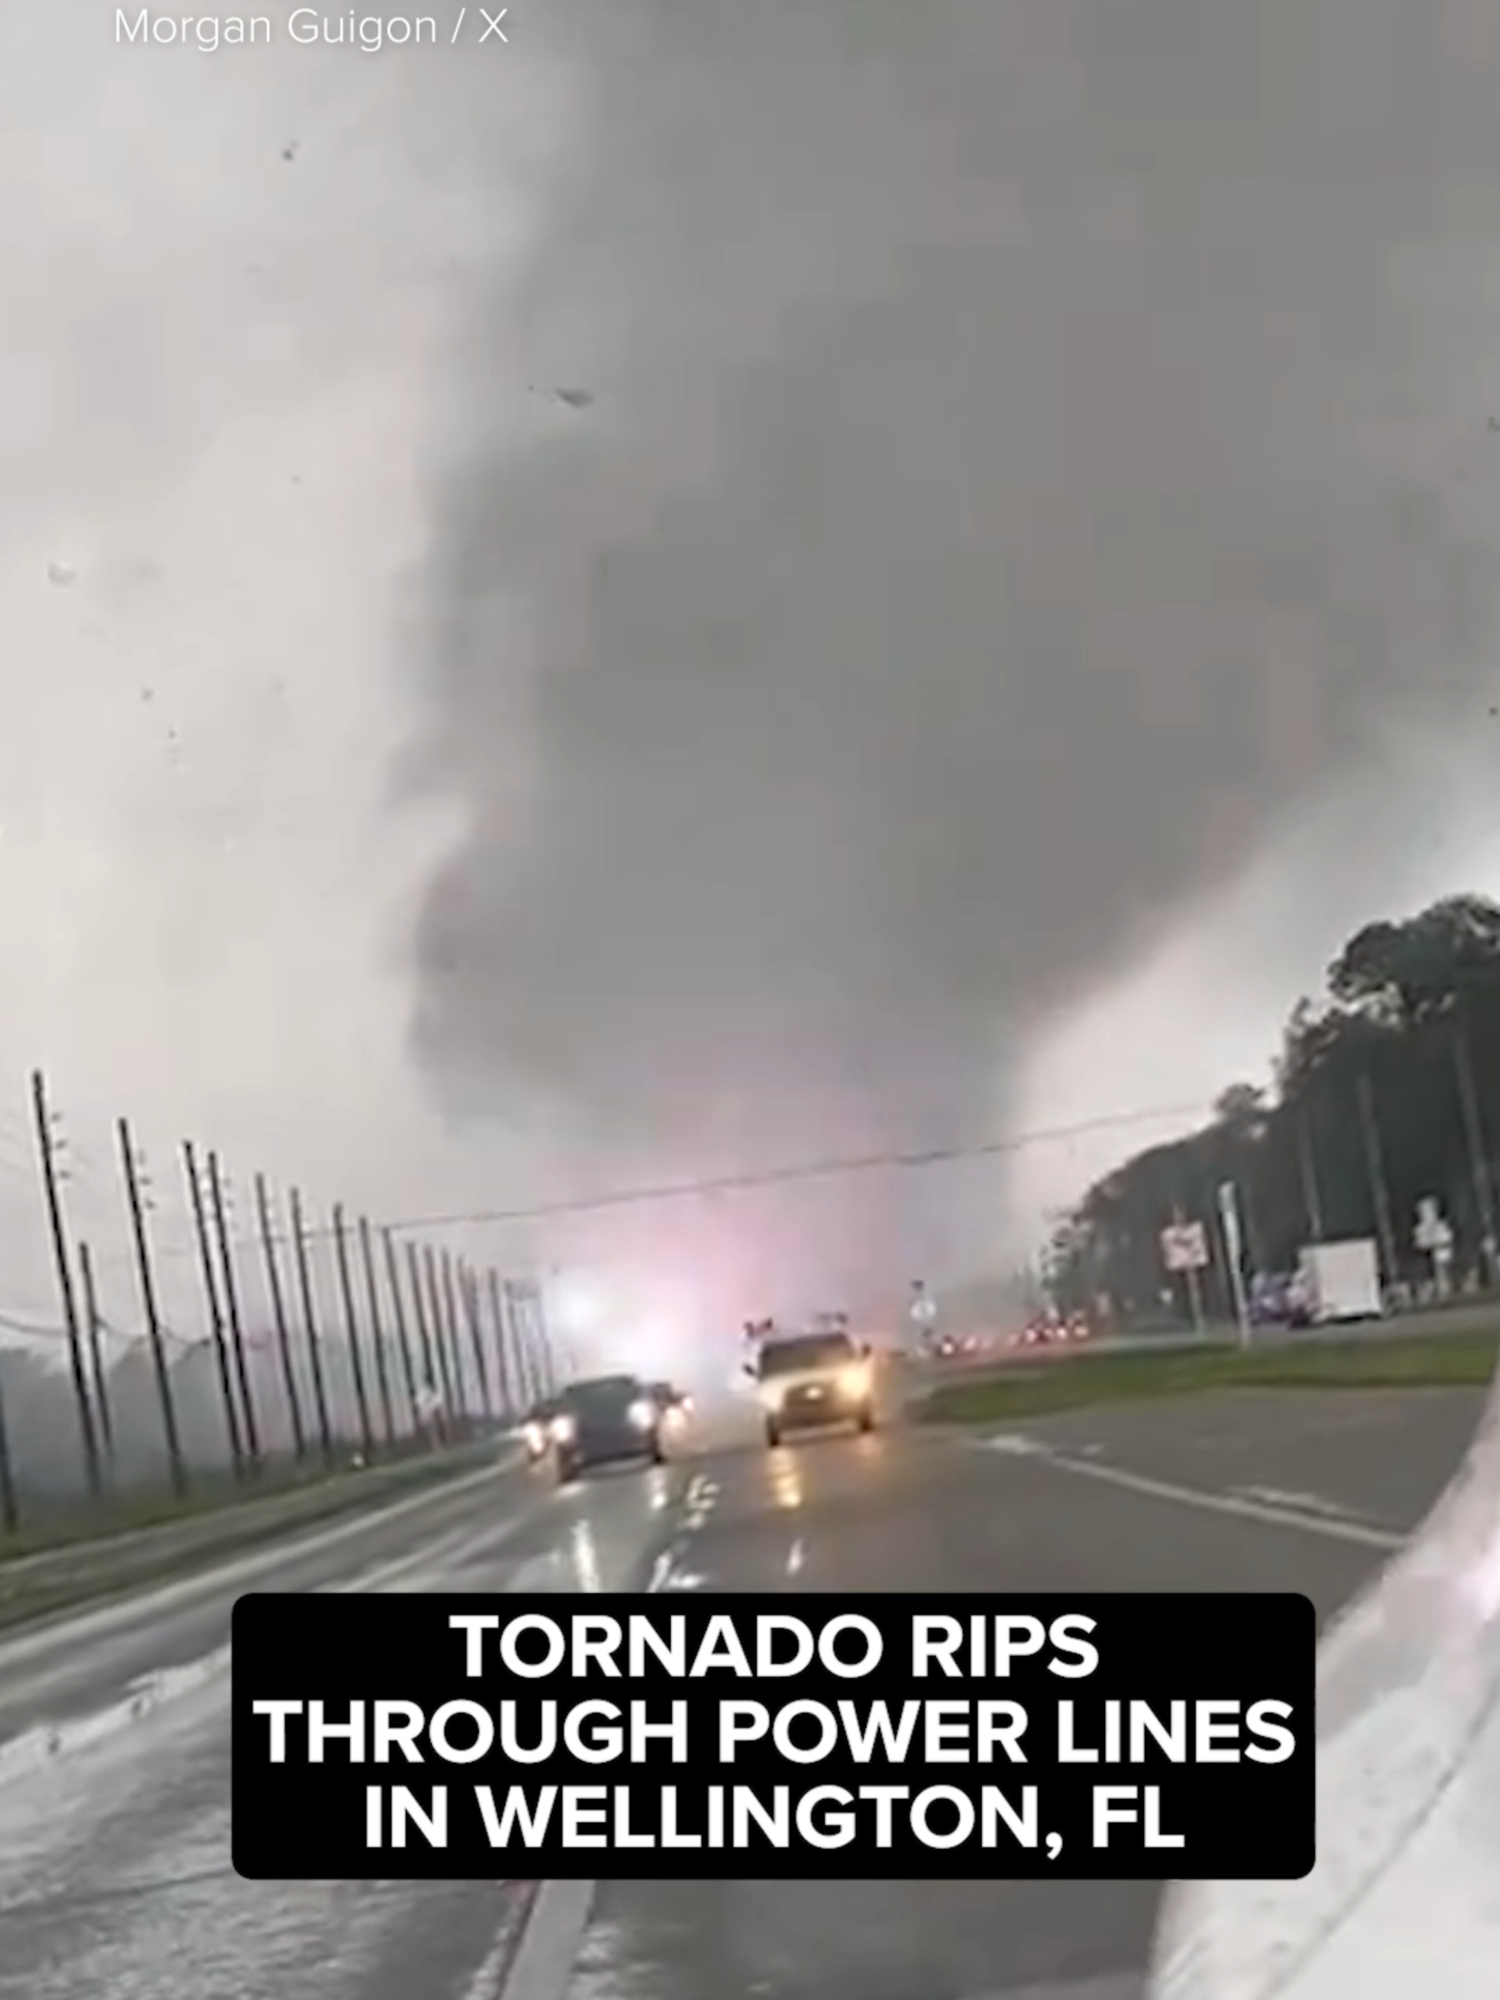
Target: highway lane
{"x":74,"y":1664}
{"x":1374,"y":1455}
{"x":114,"y":1869}
{"x":114,"y":1850}
{"x":915,"y":1510}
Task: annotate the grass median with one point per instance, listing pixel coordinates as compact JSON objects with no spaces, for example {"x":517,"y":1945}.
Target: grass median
{"x":88,"y":1556}
{"x":1430,"y":1361}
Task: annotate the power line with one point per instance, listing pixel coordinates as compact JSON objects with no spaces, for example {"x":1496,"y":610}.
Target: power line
{"x":823,"y":1169}
{"x":790,"y":1173}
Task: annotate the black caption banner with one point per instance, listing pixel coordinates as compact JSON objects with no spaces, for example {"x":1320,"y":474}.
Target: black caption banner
{"x":482,"y":1737}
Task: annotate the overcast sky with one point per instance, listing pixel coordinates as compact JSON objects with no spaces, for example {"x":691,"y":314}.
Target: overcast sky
{"x":997,"y":617}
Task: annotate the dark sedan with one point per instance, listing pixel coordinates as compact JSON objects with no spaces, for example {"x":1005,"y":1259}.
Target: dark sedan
{"x":606,"y":1421}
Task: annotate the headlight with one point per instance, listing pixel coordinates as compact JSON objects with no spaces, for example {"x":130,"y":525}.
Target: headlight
{"x":563,"y":1430}
{"x":771,"y":1397}
{"x":536,"y":1437}
{"x":855,"y":1381}
{"x":643,"y":1415}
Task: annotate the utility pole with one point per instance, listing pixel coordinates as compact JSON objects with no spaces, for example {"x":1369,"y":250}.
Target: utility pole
{"x":453,"y":1334}
{"x":45,"y":1151}
{"x":526,"y":1364}
{"x":450,"y":1319}
{"x":10,"y":1512}
{"x":403,"y":1334}
{"x":1234,"y":1257}
{"x":469,"y":1290}
{"x":1375,"y":1165}
{"x":278,"y":1316}
{"x":211,"y":1300}
{"x":130,"y":1166}
{"x":310,"y":1326}
{"x":542,"y":1357}
{"x":513,"y":1403}
{"x":232,"y":1308}
{"x":1484,"y":1195}
{"x":96,"y":1357}
{"x":430,"y":1381}
{"x":1191,"y":1275}
{"x":1308,"y":1165}
{"x":537,"y":1299}
{"x":351,"y":1332}
{"x":439,"y":1340}
{"x":377,"y":1334}
{"x":537,"y":1358}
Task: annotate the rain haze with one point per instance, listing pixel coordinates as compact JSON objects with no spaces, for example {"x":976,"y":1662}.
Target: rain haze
{"x":711,"y":589}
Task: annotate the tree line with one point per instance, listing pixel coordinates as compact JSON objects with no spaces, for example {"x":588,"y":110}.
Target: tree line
{"x":1385,"y":1093}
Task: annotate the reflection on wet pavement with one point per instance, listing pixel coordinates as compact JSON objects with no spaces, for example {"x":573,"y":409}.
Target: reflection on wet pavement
{"x":114,"y":1863}
{"x":114,"y":1873}
{"x":903,"y":1511}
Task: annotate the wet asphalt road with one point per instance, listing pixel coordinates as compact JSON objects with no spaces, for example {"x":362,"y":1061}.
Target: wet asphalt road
{"x":114,"y":1873}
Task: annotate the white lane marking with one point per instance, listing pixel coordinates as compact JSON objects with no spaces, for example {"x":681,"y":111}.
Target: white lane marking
{"x":44,"y":1743}
{"x":1016,"y":1445}
{"x":552,"y":1927}
{"x":1105,"y":1986}
{"x":489,"y":1974}
{"x":68,"y":1633}
{"x":542,"y":1962}
{"x":450,"y":1551}
{"x":698,"y":1502}
{"x":40,"y":1747}
{"x":795,"y":1557}
{"x":1208,"y":1503}
{"x":1303,"y":1503}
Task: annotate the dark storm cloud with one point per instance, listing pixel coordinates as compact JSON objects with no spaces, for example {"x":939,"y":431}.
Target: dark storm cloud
{"x":1033,"y":444}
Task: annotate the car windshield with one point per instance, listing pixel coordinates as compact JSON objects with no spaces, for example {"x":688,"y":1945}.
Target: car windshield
{"x":816,"y":1350}
{"x":605,"y":1393}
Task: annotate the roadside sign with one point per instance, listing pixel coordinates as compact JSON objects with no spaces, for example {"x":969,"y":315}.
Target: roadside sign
{"x":1184,"y":1247}
{"x":1432,"y":1233}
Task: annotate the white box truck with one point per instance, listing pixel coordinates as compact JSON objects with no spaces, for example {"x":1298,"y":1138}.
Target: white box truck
{"x":1339,"y":1281}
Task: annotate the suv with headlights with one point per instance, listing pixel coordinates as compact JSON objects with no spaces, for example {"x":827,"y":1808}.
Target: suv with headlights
{"x":811,"y":1380}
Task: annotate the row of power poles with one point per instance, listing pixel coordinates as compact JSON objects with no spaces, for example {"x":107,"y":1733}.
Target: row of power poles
{"x":431,"y":1343}
{"x":1476,"y":1147}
